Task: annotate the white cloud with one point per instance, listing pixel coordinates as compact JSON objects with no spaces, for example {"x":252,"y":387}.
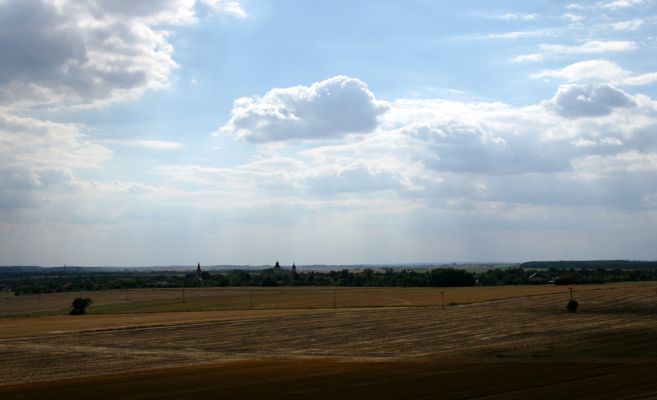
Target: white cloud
{"x":37,"y":155}
{"x":586,"y":71}
{"x":430,"y":151}
{"x":586,"y":48}
{"x":518,"y":17}
{"x":572,"y":17}
{"x":533,"y":57}
{"x":355,"y":178}
{"x":630,"y":161}
{"x":457,"y":146}
{"x":150,"y":144}
{"x":226,"y":6}
{"x":597,"y":71}
{"x":574,"y":100}
{"x":328,"y":109}
{"x":640,"y":80}
{"x":28,"y":142}
{"x":629,"y":25}
{"x":65,"y":52}
{"x":607,"y":141}
{"x":62,"y":53}
{"x":616,"y":4}
{"x":498,"y":139}
{"x":520,"y":34}
{"x":590,"y":47}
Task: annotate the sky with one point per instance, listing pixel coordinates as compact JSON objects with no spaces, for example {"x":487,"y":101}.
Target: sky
{"x":243,"y":132}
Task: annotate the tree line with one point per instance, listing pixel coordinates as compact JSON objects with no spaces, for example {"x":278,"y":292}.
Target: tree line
{"x":34,"y":284}
{"x":439,"y":277}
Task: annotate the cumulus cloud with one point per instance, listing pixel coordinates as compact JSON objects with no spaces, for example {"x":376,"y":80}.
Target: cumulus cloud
{"x":328,"y":109}
{"x":486,"y":140}
{"x":61,"y":53}
{"x":573,"y":101}
{"x":69,"y":53}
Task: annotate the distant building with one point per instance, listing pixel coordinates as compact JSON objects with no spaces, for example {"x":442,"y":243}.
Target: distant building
{"x":294,"y":268}
{"x":538,"y":278}
{"x":199,"y":274}
{"x":277,"y":267}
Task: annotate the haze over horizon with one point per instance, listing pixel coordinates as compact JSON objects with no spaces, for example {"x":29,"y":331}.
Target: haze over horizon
{"x":238,"y":132}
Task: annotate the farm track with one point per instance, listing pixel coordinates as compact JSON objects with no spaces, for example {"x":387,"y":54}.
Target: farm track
{"x":614,"y":325}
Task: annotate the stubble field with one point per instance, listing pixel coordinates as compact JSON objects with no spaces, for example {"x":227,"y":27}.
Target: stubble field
{"x":497,"y":342}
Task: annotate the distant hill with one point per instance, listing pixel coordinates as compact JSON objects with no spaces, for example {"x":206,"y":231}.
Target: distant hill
{"x":593,"y":264}
{"x":20,"y":270}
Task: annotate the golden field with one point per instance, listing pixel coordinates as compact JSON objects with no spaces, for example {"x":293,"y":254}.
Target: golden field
{"x":500,"y":342}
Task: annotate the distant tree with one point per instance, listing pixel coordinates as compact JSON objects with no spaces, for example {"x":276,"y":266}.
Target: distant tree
{"x":80,"y":305}
{"x":222,"y":280}
{"x":269,"y":281}
{"x":443,"y":277}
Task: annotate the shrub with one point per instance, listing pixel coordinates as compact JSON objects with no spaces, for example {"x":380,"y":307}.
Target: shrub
{"x":79,"y":306}
{"x":572,"y":306}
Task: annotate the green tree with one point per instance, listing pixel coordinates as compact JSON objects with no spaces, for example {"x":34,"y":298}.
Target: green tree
{"x":80,"y":305}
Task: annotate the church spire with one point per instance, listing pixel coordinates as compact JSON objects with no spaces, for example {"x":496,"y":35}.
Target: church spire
{"x":199,"y":274}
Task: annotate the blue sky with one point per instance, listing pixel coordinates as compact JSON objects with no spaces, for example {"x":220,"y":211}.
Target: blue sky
{"x":242,"y":132}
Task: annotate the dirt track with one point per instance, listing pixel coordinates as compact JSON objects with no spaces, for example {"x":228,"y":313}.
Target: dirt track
{"x":615,"y":330}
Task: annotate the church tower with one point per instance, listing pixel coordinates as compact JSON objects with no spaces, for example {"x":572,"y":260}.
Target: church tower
{"x":199,"y":274}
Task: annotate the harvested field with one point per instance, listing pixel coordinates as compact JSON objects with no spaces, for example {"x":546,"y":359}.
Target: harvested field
{"x":217,"y":299}
{"x":521,"y":346}
{"x":328,"y":379}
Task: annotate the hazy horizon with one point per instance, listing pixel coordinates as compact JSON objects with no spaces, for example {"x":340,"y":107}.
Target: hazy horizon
{"x":339,"y":133}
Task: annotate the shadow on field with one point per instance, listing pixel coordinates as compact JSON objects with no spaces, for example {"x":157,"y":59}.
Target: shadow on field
{"x":330,"y":379}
